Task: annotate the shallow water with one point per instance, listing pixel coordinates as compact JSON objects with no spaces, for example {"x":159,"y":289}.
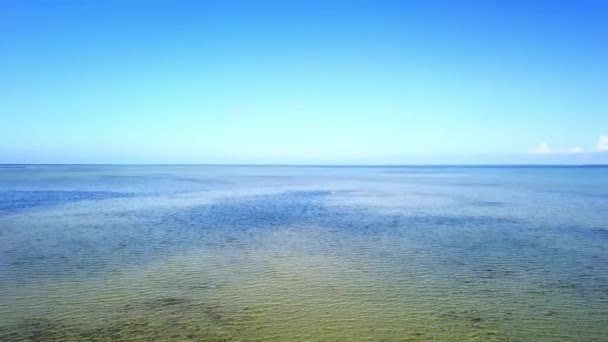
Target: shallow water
{"x":303,"y":253}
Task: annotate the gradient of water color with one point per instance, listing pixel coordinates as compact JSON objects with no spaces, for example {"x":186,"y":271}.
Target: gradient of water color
{"x":303,"y":253}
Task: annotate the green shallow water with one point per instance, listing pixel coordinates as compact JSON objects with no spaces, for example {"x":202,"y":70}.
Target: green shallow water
{"x":287,"y":254}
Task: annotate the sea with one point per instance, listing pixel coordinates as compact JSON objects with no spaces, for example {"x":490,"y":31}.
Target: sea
{"x":303,"y":253}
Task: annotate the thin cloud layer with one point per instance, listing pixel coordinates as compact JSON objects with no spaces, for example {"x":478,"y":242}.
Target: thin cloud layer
{"x":544,"y":148}
{"x":602,"y":143}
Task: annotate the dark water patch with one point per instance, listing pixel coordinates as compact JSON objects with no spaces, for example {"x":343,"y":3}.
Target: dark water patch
{"x":164,"y":183}
{"x":487,"y":203}
{"x":205,"y":181}
{"x":463,"y":182}
{"x":458,"y":220}
{"x":579,"y":231}
{"x":98,"y":244}
{"x":585,"y":192}
{"x":493,"y":272}
{"x":273,"y":177}
{"x":587,"y":286}
{"x":151,"y":328}
{"x":259,"y":211}
{"x":600,"y":233}
{"x":201,"y":287}
{"x":19,"y":201}
{"x":33,"y":329}
{"x":131,"y":178}
{"x":167,"y":301}
{"x":422,"y":172}
{"x":164,"y":318}
{"x":484,"y":248}
{"x":309,"y":208}
{"x":215,"y":315}
{"x":467,"y":316}
{"x":213,"y":312}
{"x":601,"y":196}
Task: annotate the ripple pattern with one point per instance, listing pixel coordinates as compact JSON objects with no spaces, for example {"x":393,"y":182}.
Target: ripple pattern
{"x":301,"y":254}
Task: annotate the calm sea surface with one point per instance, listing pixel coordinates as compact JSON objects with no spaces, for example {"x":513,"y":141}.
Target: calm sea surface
{"x":303,"y":253}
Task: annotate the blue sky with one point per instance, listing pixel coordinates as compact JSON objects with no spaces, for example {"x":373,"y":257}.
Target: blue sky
{"x":354,"y":82}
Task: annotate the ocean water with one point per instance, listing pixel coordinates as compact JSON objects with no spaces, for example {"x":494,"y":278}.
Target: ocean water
{"x":251,"y":253}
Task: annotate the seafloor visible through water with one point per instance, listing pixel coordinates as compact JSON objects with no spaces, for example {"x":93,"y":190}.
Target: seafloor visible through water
{"x":303,"y":253}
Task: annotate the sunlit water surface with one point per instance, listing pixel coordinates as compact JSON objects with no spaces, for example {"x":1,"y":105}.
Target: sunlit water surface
{"x":303,"y":253}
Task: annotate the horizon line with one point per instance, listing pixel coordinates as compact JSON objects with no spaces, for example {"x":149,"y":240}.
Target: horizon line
{"x":4,"y":165}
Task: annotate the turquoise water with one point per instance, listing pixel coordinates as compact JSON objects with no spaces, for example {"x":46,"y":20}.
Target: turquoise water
{"x":303,"y":253}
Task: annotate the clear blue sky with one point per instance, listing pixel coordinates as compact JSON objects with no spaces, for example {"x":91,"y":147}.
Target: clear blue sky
{"x":303,"y":81}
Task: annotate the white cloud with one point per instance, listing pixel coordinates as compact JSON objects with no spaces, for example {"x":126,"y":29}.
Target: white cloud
{"x":543,"y":148}
{"x":602,"y":143}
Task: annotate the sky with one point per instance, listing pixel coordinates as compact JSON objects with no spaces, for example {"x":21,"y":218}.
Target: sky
{"x":304,"y":82}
